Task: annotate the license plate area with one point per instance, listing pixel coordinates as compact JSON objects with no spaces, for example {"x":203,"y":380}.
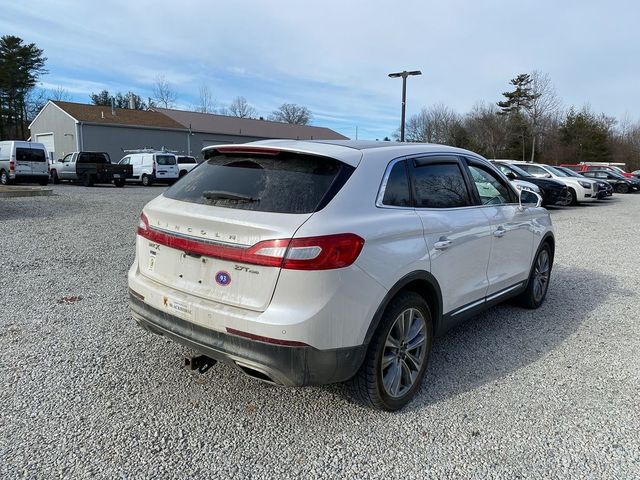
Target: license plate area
{"x":246,"y":286}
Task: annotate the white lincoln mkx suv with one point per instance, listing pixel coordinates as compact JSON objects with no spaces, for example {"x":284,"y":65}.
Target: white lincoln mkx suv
{"x":311,"y":262}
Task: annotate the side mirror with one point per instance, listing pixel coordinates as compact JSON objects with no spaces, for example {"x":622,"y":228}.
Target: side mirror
{"x":548,"y":175}
{"x":527,"y":198}
{"x":511,"y":175}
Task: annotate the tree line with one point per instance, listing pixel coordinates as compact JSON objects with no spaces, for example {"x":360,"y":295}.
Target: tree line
{"x":165,"y":96}
{"x":530,"y":123}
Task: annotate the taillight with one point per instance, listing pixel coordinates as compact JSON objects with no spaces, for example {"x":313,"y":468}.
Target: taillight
{"x":143,"y":225}
{"x":12,"y":166}
{"x":314,"y":253}
{"x":154,"y":168}
{"x":311,"y":253}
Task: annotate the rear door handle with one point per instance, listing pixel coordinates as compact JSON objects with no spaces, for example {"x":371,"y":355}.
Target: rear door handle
{"x":500,"y":231}
{"x":442,"y":244}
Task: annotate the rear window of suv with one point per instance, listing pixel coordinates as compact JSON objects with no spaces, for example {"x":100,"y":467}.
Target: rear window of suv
{"x":284,"y":183}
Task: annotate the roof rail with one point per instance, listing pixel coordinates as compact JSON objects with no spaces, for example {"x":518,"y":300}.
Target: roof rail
{"x":150,"y":150}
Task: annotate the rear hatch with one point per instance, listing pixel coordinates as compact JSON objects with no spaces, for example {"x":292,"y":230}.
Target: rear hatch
{"x":221,"y":233}
{"x":31,"y":161}
{"x":166,"y":166}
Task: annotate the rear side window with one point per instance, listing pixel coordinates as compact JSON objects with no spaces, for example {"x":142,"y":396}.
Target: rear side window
{"x":186,"y":160}
{"x":440,"y":186}
{"x":283,"y":183}
{"x":30,"y":155}
{"x":93,"y":157}
{"x":165,"y":160}
{"x":396,"y":191}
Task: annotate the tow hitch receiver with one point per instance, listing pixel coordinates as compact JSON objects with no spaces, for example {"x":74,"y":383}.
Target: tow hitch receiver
{"x":202,"y":363}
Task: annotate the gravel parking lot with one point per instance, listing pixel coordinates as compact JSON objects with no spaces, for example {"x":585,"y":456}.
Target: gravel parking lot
{"x":84,"y":392}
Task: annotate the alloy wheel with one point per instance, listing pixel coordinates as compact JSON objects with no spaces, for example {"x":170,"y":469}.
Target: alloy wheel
{"x":541,"y":276}
{"x":404,"y":352}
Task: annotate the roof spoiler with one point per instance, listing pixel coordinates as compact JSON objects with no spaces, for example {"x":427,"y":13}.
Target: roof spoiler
{"x":213,"y":150}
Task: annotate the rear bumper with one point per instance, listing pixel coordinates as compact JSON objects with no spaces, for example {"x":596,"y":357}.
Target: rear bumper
{"x":283,"y":365}
{"x":31,"y":177}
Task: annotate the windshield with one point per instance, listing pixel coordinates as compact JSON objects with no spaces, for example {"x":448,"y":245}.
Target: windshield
{"x":569,"y":172}
{"x":557,"y":171}
{"x":518,"y":171}
{"x":616,"y":175}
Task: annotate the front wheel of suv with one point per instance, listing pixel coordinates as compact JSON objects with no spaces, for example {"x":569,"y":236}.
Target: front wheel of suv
{"x":539,"y":278}
{"x":397,"y":356}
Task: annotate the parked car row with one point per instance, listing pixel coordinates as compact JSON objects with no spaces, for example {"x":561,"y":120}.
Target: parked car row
{"x":565,"y":185}
{"x":22,"y":161}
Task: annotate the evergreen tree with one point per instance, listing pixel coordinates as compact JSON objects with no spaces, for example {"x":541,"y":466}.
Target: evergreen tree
{"x":103,"y":98}
{"x":20,"y":67}
{"x":587,"y":135}
{"x":517,"y":104}
{"x":121,"y":100}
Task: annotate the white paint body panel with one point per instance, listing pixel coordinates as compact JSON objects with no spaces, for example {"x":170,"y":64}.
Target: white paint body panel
{"x":334,"y":308}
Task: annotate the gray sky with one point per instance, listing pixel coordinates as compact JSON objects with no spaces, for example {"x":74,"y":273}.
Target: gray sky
{"x":334,"y":57}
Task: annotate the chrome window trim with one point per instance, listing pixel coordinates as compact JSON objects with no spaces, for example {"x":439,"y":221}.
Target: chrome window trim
{"x":383,"y":185}
{"x":460,"y":156}
{"x":387,"y":173}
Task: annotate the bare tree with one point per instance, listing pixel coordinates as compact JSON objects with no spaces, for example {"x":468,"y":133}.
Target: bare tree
{"x":60,"y":94}
{"x":545,"y":104}
{"x":488,"y":130}
{"x":432,"y":125}
{"x":239,"y":107}
{"x":35,"y":101}
{"x":163,"y":94}
{"x":292,"y":113}
{"x":207,"y":102}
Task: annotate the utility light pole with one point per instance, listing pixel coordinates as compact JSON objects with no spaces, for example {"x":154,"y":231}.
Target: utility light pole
{"x":404,"y":74}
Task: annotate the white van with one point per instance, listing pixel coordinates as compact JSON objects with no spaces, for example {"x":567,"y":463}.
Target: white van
{"x":23,"y":162}
{"x":150,"y":167}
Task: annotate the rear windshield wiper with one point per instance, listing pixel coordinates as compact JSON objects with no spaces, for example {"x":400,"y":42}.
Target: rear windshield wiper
{"x":223,"y":195}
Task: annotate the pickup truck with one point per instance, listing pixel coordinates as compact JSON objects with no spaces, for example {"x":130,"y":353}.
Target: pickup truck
{"x":90,"y":168}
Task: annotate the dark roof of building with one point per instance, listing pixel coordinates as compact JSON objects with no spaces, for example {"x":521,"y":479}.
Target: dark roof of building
{"x":226,"y":125}
{"x":123,"y":116}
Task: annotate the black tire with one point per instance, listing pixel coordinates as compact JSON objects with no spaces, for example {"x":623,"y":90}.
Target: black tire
{"x":622,"y":188}
{"x":54,"y":177}
{"x":44,"y":182}
{"x":119,"y":182}
{"x":87,"y":180}
{"x":573,"y":197}
{"x":539,"y":278}
{"x":4,"y":178}
{"x":147,"y":181}
{"x":368,"y":386}
{"x":182,"y":173}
